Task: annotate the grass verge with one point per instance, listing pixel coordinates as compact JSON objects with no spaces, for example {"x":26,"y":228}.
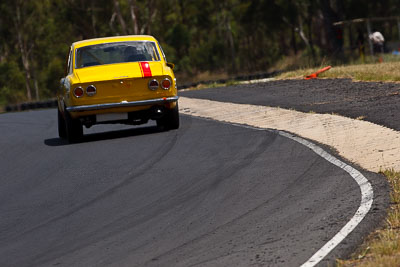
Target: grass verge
{"x":388,"y":70}
{"x":382,"y":248}
{"x":385,"y":71}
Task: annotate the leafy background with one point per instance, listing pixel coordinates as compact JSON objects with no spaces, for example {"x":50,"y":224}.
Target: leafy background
{"x":202,"y":37}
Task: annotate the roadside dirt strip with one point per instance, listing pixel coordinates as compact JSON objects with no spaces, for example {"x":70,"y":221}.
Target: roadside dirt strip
{"x":371,"y":146}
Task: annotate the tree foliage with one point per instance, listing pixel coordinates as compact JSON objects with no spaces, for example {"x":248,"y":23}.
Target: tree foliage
{"x":232,"y":36}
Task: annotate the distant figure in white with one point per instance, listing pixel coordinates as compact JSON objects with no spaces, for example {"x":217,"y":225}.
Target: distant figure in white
{"x":377,"y":40}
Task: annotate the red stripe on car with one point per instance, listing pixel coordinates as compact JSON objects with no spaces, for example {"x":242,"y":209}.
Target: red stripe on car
{"x":141,"y":69}
{"x":145,"y":68}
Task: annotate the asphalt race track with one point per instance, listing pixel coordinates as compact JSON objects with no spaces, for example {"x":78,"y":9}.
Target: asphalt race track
{"x":208,"y":194}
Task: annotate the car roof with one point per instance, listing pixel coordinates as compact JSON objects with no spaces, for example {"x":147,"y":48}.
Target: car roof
{"x":113,"y":39}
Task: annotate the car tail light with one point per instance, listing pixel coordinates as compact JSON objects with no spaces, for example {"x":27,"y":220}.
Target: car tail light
{"x":166,"y":84}
{"x":78,"y":92}
{"x":153,"y":84}
{"x":91,"y":90}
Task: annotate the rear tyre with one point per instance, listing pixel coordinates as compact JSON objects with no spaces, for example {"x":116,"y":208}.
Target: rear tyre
{"x":74,"y":128}
{"x":62,"y":132}
{"x":170,"y":120}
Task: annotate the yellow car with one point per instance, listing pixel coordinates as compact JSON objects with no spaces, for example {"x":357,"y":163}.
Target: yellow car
{"x":124,"y":79}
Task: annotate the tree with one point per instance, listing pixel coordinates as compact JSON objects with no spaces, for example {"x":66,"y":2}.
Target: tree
{"x":229,"y":36}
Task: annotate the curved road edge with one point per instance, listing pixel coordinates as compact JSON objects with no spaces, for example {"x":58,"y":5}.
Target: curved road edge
{"x":367,"y":196}
{"x":371,"y":146}
{"x":224,"y":112}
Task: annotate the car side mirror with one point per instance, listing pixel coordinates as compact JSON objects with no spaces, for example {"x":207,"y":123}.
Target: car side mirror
{"x":62,"y":82}
{"x":171,"y":65}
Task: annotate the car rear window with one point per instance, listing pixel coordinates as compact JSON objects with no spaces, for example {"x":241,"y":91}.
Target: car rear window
{"x":119,"y":52}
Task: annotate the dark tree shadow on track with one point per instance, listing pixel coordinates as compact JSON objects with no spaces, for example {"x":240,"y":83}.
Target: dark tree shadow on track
{"x":93,"y":137}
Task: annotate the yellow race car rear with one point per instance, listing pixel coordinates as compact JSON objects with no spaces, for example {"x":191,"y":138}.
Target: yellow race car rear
{"x":116,"y":80}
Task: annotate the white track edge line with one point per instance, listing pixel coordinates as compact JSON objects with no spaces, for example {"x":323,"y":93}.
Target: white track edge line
{"x":367,"y":193}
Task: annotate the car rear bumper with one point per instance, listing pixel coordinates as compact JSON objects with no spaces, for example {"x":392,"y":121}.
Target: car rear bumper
{"x":123,"y":104}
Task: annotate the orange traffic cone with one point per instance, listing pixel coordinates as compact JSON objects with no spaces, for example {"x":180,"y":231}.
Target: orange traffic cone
{"x":315,"y":74}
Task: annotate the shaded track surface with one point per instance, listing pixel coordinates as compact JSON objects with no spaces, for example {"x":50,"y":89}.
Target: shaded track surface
{"x":375,"y":102}
{"x":208,"y":194}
